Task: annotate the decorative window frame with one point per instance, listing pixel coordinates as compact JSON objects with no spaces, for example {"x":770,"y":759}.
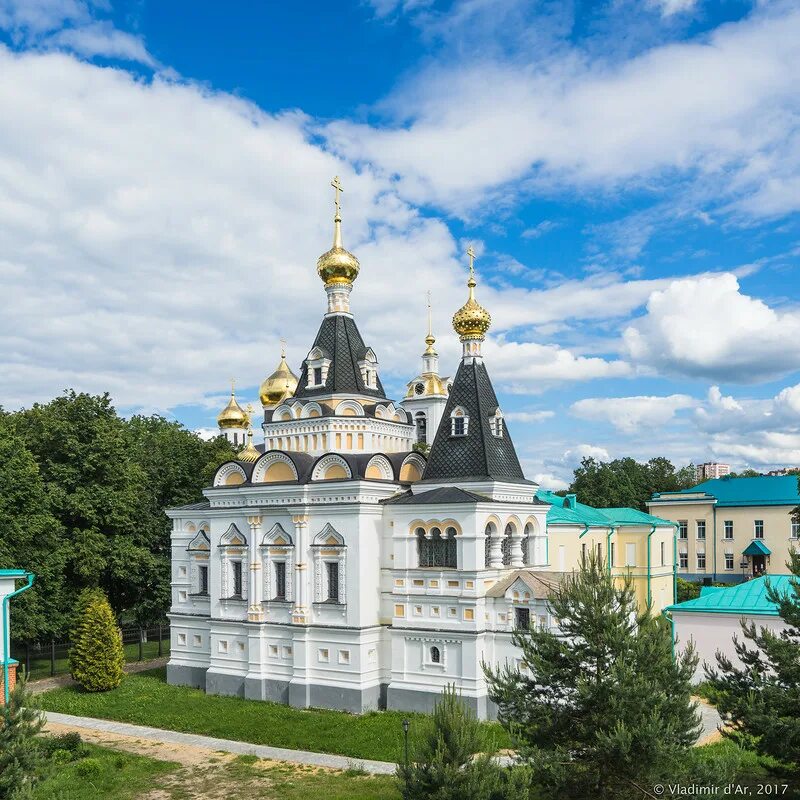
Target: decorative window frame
{"x":496,"y":424}
{"x":326,"y":461}
{"x":305,"y":413}
{"x":427,"y":661}
{"x":383,"y":464}
{"x":225,"y":471}
{"x":329,"y":545}
{"x":266,"y":461}
{"x":417,"y":460}
{"x":459,"y":413}
{"x":199,"y":550}
{"x":233,"y":547}
{"x":423,"y":417}
{"x":437,"y":539}
{"x":369,"y":369}
{"x":316,"y":359}
{"x":277,"y":545}
{"x":281,"y":411}
{"x":353,"y":405}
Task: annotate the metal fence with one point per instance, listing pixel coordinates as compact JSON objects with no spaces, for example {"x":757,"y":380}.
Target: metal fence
{"x":51,"y":657}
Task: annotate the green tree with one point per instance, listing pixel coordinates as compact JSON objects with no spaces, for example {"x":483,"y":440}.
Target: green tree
{"x":96,"y":657}
{"x":601,"y":707}
{"x":626,"y":482}
{"x":762,"y":697}
{"x":21,"y":759}
{"x":30,"y":538}
{"x":448,"y":762}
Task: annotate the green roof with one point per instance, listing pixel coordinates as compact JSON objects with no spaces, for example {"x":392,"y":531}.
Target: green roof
{"x":567,"y":511}
{"x":756,"y":548}
{"x":12,"y":573}
{"x":765,"y":490}
{"x":749,"y":597}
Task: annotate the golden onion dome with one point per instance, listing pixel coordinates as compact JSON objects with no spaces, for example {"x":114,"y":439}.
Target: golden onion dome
{"x":472,"y":320}
{"x":249,"y":453}
{"x":233,"y":415}
{"x":278,"y":386}
{"x":337,"y":265}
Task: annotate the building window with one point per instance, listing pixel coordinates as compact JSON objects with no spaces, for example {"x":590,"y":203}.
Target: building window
{"x":522,"y":618}
{"x":583,"y":552}
{"x":487,"y":545}
{"x":662,"y":553}
{"x":422,"y":427}
{"x":599,"y":553}
{"x":630,"y":554}
{"x":506,"y":546}
{"x":683,"y":529}
{"x":202,"y":574}
{"x":459,"y":422}
{"x":280,"y":580}
{"x":728,"y":560}
{"x":683,"y":560}
{"x":611,"y":555}
{"x":701,"y":561}
{"x":317,"y":376}
{"x":236,"y":575}
{"x":728,"y":529}
{"x":758,"y":527}
{"x":701,"y":529}
{"x":437,"y":549}
{"x":436,"y":655}
{"x":795,"y":529}
{"x":332,"y":575}
{"x":496,"y":424}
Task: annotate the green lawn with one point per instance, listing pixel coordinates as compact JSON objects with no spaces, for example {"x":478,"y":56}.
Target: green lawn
{"x":107,"y":774}
{"x":146,"y":699}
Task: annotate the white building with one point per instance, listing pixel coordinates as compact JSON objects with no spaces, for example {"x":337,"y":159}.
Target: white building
{"x":334,"y":566}
{"x":711,"y":470}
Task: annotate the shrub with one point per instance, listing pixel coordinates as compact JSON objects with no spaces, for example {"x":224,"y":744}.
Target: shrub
{"x":96,"y":658}
{"x":70,"y":742}
{"x":89,"y":767}
{"x":21,"y":761}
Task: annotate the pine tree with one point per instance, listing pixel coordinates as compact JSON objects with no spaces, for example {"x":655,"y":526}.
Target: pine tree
{"x":96,"y":657}
{"x":448,"y":764}
{"x":762,"y":697}
{"x":21,"y":759}
{"x":601,"y":707}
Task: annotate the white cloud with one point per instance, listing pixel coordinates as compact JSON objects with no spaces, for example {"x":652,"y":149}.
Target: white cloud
{"x":632,"y":414}
{"x":550,"y":482}
{"x":574,"y":455}
{"x":705,"y":327}
{"x":545,"y":226}
{"x":102,"y":39}
{"x":670,"y":7}
{"x":529,"y":416}
{"x":571,"y":120}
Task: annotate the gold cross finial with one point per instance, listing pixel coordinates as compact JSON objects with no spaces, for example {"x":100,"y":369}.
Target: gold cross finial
{"x":283,"y":347}
{"x":430,"y":322}
{"x":471,"y":254}
{"x":233,"y":386}
{"x":337,"y":185}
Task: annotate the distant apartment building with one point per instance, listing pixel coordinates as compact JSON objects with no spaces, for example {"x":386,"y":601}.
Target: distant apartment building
{"x":732,"y":528}
{"x":785,"y":471}
{"x":711,"y":470}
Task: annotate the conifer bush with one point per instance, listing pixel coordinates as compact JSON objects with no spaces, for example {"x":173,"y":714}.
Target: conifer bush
{"x":96,"y":657}
{"x":21,"y":759}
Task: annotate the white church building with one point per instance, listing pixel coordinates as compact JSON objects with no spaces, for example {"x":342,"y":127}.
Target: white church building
{"x":334,"y":565}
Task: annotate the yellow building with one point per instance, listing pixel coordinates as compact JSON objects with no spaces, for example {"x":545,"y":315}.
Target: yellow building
{"x":732,"y":528}
{"x":628,"y":541}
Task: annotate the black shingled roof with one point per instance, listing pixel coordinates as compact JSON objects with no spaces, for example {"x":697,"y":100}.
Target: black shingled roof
{"x":479,"y":455}
{"x":444,"y":494}
{"x":338,"y":336}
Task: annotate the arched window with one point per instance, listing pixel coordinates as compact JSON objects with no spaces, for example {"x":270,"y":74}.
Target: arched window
{"x":507,"y":545}
{"x":459,"y":422}
{"x":526,"y":544}
{"x":487,"y":544}
{"x":422,"y":427}
{"x":436,"y":656}
{"x":437,"y":550}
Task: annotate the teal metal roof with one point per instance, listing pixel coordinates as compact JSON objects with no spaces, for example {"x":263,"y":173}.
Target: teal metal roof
{"x":12,"y":573}
{"x":749,"y":597}
{"x":756,"y":548}
{"x":565,"y":511}
{"x":765,"y":490}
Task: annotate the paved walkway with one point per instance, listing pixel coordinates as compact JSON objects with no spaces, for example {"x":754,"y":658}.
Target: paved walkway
{"x":223,"y":745}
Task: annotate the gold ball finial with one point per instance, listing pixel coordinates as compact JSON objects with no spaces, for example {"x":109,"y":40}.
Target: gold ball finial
{"x":337,"y":265}
{"x":472,"y":320}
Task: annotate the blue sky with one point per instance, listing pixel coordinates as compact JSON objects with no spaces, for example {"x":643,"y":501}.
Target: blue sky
{"x":629,"y":173}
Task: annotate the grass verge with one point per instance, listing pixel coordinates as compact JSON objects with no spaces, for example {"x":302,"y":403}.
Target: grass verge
{"x":146,"y":699}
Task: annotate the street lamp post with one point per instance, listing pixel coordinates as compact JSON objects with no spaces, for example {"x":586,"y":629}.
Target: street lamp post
{"x":406,"y":725}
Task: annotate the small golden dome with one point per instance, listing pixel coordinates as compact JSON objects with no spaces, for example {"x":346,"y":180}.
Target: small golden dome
{"x":337,"y":265}
{"x":278,"y":386}
{"x":472,"y":319}
{"x":233,"y":415}
{"x":249,"y":453}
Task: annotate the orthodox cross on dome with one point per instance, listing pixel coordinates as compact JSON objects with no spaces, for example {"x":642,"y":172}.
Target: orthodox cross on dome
{"x":337,"y":185}
{"x":471,"y":254}
{"x":233,"y":386}
{"x":283,"y":347}
{"x":430,"y":321}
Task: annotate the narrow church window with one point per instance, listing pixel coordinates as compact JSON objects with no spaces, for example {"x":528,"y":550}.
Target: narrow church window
{"x":332,"y":570}
{"x":236,"y":568}
{"x":487,"y":545}
{"x":507,"y":545}
{"x":458,"y":426}
{"x":436,"y":656}
{"x":523,"y":618}
{"x":280,"y":580}
{"x":202,"y":572}
{"x":496,"y":423}
{"x":459,"y":422}
{"x":317,"y":376}
{"x":422,"y":427}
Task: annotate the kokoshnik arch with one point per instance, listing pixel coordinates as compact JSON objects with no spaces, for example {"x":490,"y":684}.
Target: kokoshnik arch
{"x":334,"y":564}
